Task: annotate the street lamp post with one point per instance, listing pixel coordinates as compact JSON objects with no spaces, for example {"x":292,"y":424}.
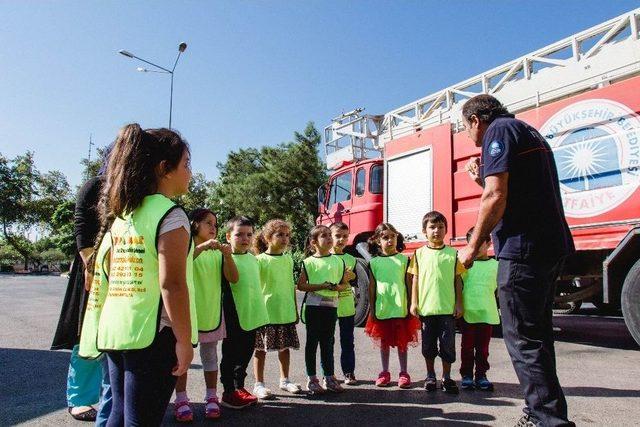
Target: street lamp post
{"x":181,"y":48}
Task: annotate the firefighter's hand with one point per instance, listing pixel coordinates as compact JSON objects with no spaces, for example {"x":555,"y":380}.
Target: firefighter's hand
{"x":349,"y":275}
{"x":466,"y":256}
{"x":414,"y":310}
{"x":473,"y":168}
{"x":458,"y":311}
{"x":184,"y":354}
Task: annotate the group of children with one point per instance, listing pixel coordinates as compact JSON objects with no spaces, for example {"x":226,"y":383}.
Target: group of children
{"x":246,"y":298}
{"x":243,"y":293}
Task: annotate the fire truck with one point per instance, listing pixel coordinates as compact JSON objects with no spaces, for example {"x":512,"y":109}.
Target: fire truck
{"x":582,"y":93}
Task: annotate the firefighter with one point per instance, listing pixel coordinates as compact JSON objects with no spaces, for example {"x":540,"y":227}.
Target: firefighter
{"x":521,"y":206}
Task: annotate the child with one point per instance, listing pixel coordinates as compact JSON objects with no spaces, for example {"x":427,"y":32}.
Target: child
{"x":480,"y":313}
{"x":211,"y":261}
{"x":390,"y":322}
{"x":322,"y":277}
{"x":279,"y":292}
{"x":436,"y":297}
{"x":346,"y":305}
{"x":244,"y":313}
{"x":146,"y":324}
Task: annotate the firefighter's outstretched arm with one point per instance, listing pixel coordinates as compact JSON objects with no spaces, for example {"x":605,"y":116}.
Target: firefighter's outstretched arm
{"x":492,"y":204}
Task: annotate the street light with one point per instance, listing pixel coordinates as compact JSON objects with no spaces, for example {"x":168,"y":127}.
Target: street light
{"x":181,"y":48}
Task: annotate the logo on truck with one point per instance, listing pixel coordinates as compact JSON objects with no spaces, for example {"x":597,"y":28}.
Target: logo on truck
{"x":596,"y":144}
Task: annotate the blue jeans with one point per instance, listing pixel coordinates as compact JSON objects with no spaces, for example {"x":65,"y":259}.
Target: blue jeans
{"x":141,"y":382}
{"x":347,"y":353}
{"x":83,"y":380}
{"x":105,"y":401}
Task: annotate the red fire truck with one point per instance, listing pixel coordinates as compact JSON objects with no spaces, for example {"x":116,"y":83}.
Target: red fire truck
{"x":582,"y":93}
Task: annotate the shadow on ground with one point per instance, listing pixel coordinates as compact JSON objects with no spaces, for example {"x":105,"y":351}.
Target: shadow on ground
{"x":32,"y":385}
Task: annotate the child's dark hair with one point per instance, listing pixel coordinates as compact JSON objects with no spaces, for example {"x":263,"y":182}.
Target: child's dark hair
{"x":433,"y":216}
{"x":239,"y":221}
{"x":133,"y":171}
{"x":198,"y":215}
{"x":339,"y":226}
{"x":313,"y":235}
{"x":261,"y":239}
{"x":470,"y":233}
{"x":374,"y":241}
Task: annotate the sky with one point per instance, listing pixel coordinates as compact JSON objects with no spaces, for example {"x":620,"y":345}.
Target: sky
{"x":254,"y":71}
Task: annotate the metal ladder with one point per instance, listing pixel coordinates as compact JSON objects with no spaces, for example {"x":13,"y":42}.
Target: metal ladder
{"x":592,"y":58}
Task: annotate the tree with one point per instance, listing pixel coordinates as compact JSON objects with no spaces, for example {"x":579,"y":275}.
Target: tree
{"x":91,"y":167}
{"x":199,"y":190}
{"x":62,"y":228}
{"x":27,"y":198}
{"x":273,"y":182}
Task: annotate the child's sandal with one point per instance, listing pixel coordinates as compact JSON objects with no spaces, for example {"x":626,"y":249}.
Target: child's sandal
{"x":182,"y":411}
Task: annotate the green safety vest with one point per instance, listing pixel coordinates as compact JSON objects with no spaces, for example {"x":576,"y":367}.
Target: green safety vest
{"x":207,"y":280}
{"x":131,"y":312}
{"x":436,"y":280}
{"x":247,"y":295}
{"x":389,"y":273}
{"x":346,"y":300}
{"x":278,"y":288}
{"x":95,"y":301}
{"x":478,"y":294}
{"x":329,"y":268}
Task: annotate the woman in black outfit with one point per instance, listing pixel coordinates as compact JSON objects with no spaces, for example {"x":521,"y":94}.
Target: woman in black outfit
{"x":85,"y":376}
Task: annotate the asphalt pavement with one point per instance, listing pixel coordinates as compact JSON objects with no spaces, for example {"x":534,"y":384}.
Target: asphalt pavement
{"x":597,"y":365}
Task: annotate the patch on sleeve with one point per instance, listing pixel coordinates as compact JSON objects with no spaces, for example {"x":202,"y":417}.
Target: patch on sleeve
{"x":496,"y":148}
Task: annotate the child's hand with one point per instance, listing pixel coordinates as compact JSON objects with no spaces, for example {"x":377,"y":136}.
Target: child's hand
{"x":349,"y":275}
{"x":458,"y":311}
{"x":225,"y":249}
{"x":213,"y":244}
{"x":414,"y":310}
{"x":88,"y":279}
{"x":343,"y":287}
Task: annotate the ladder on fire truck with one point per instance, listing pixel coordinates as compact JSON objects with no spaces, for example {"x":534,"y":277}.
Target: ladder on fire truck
{"x":590,"y":59}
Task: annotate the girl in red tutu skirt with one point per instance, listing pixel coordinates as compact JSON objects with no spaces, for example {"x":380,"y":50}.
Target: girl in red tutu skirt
{"x":389,"y":323}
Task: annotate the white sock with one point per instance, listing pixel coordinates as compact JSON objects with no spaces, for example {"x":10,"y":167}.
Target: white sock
{"x":211,"y":392}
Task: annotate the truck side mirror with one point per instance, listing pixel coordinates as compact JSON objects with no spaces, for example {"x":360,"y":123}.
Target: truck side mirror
{"x":322,"y":194}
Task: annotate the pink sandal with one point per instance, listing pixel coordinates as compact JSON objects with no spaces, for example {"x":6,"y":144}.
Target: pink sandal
{"x":182,"y":411}
{"x":212,"y":408}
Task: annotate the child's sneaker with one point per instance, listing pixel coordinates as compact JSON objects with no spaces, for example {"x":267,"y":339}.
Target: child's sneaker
{"x":430,"y":384}
{"x":261,"y":392}
{"x":212,"y":408}
{"x":182,"y":411}
{"x":449,"y":386}
{"x":404,"y":380}
{"x":237,"y":399}
{"x":293,"y":388}
{"x":467,"y":383}
{"x":350,"y":379}
{"x":384,"y":378}
{"x":484,"y":384}
{"x":331,"y":384}
{"x":314,"y":387}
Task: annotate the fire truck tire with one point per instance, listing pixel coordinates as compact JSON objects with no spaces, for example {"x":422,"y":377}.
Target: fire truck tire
{"x":361,"y":292}
{"x":631,"y":301}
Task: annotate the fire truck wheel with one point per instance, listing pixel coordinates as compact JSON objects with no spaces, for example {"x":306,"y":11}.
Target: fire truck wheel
{"x":361,"y":292}
{"x":631,"y":301}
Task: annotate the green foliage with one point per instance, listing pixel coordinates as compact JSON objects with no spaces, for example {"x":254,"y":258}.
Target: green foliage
{"x":91,"y":167}
{"x":61,"y":223}
{"x":199,"y":191}
{"x":27,"y":198}
{"x":273,"y":182}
